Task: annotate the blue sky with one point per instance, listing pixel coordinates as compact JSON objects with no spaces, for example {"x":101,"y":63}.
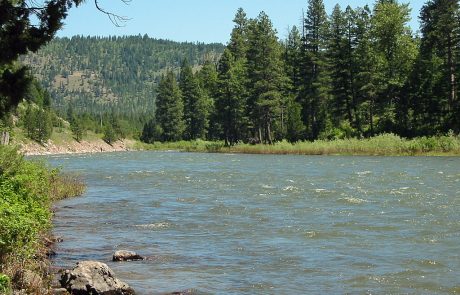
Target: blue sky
{"x":193,"y":20}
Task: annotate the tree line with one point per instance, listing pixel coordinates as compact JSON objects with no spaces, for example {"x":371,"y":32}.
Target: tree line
{"x":357,"y":72}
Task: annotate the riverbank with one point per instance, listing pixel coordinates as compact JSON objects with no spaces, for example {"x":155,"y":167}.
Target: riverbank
{"x":74,"y":147}
{"x":382,"y":145}
{"x":27,"y":191}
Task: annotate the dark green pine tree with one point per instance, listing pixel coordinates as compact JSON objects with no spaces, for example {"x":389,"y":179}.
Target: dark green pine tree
{"x":230,"y":104}
{"x":169,"y":112}
{"x":436,"y":104}
{"x":238,"y":39}
{"x":339,"y":53}
{"x":293,"y":69}
{"x":208,"y":82}
{"x":266,"y":78}
{"x":294,"y":125}
{"x":395,"y":51}
{"x":196,"y":106}
{"x":367,"y":74}
{"x":315,"y":89}
{"x":43,"y":125}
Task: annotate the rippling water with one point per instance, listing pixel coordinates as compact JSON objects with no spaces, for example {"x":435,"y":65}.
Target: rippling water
{"x":258,"y":224}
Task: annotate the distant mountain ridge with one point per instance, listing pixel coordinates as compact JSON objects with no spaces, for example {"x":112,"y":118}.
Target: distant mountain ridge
{"x":100,"y":74}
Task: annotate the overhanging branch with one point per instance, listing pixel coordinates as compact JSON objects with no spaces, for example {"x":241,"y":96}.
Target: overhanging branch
{"x":117,"y":20}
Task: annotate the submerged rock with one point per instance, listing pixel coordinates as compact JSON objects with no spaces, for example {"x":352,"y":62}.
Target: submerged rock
{"x":123,"y":255}
{"x":93,"y":278}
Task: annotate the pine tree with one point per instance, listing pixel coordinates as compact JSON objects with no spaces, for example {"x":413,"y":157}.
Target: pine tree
{"x":238,"y":40}
{"x":436,"y":105}
{"x":208,"y":82}
{"x":294,"y":124}
{"x":315,"y":89}
{"x":293,"y":60}
{"x":196,"y":107}
{"x":266,"y":77}
{"x":395,"y":52}
{"x":339,"y":53}
{"x":169,"y":112}
{"x":231,"y":103}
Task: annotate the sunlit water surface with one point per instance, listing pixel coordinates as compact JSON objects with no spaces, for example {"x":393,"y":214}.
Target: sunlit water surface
{"x":258,"y":224}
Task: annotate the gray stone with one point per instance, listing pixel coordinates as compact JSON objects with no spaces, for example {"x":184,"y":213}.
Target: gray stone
{"x":59,"y":291}
{"x":123,"y":255}
{"x":93,"y":278}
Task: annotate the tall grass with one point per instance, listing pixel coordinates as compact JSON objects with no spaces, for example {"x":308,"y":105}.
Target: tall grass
{"x":27,"y":190}
{"x":385,"y":144}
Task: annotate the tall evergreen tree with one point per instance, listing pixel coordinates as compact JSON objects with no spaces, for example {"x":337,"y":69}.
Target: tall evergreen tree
{"x":436,"y":103}
{"x":395,"y":52}
{"x":196,"y":107}
{"x":315,"y":89}
{"x":238,"y":38}
{"x":231,"y":103}
{"x":266,"y":77}
{"x":208,"y":83}
{"x":293,"y":60}
{"x":169,"y":112}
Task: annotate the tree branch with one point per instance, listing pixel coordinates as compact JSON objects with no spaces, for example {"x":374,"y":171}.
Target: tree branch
{"x":117,"y":20}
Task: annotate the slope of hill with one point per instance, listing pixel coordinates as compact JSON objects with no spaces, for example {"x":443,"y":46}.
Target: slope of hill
{"x":100,"y":74}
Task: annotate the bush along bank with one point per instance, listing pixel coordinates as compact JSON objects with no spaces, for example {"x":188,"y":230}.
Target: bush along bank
{"x":381,"y":145}
{"x":27,"y":191}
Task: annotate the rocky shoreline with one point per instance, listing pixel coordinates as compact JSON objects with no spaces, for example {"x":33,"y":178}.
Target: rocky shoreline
{"x":74,"y":147}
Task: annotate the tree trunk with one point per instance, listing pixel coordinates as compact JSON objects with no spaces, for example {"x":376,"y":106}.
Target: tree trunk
{"x":5,"y":140}
{"x":451,"y":65}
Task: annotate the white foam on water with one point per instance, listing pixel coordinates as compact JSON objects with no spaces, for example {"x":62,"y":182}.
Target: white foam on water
{"x":266,"y":186}
{"x":353,"y":200}
{"x":361,"y":173}
{"x":290,"y":188}
{"x":157,"y":225}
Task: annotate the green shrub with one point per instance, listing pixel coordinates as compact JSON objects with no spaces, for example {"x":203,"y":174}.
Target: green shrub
{"x":4,"y":284}
{"x":27,"y":189}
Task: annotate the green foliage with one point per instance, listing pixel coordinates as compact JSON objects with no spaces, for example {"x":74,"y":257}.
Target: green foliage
{"x":169,"y":110}
{"x":27,"y":189}
{"x":76,"y":128}
{"x":38,"y":123}
{"x":110,"y":135}
{"x":295,"y":127}
{"x":196,"y":108}
{"x":5,"y":283}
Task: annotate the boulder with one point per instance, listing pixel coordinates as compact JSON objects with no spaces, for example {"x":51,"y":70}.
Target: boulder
{"x":93,"y":278}
{"x":123,"y":255}
{"x":59,"y":291}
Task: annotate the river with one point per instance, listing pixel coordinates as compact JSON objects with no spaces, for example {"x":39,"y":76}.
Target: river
{"x":263,"y":224}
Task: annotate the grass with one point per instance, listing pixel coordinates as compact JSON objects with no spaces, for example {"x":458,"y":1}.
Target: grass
{"x":27,"y":191}
{"x":381,"y":145}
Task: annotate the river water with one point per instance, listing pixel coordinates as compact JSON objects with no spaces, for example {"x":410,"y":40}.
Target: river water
{"x":262,"y":224}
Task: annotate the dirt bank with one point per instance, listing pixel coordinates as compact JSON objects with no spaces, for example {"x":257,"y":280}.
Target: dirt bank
{"x":75,"y":147}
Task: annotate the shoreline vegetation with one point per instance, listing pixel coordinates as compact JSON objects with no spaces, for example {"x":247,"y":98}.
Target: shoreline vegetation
{"x":28,"y":190}
{"x":381,"y":145}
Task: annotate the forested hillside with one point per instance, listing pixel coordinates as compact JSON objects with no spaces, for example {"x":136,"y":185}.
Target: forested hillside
{"x":103,"y":74}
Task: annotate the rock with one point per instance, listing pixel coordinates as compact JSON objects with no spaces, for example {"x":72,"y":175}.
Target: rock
{"x":59,"y":291}
{"x":31,"y":280}
{"x":123,"y":255}
{"x":93,"y":278}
